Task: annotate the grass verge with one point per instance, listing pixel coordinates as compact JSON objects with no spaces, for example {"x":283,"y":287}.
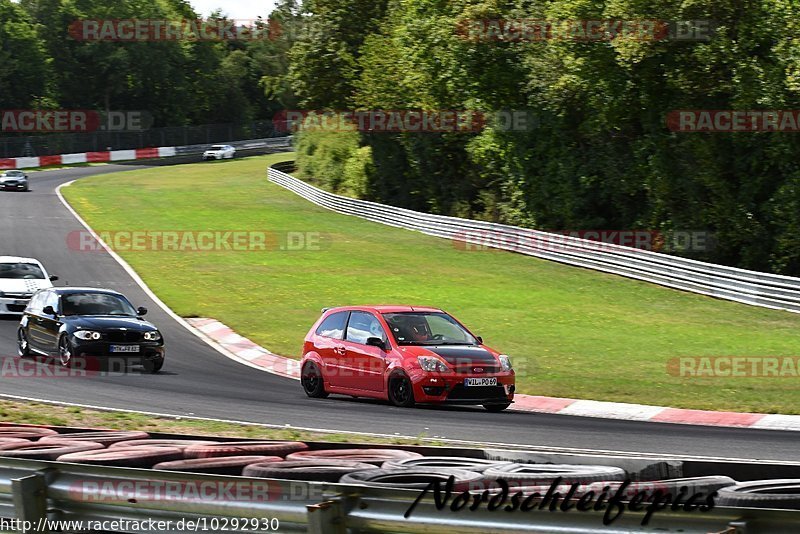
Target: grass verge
{"x":35,"y":413}
{"x":572,"y":332}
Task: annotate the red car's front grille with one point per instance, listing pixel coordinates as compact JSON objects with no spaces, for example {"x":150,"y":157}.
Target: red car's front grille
{"x":474,"y":369}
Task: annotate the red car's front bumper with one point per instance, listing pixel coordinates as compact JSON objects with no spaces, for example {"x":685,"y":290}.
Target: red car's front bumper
{"x":451,"y":388}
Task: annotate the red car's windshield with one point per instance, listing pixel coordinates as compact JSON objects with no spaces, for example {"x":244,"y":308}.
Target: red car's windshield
{"x":427,"y":328}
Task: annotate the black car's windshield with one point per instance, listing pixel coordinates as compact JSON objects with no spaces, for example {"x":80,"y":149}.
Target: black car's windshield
{"x":95,"y":304}
{"x":21,"y":271}
{"x":14,"y":174}
{"x":422,"y":328}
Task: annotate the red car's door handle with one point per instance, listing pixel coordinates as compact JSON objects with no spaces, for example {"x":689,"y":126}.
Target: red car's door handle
{"x":340,"y":351}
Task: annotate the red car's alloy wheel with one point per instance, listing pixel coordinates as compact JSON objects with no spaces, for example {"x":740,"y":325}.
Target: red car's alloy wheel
{"x":400,"y":391}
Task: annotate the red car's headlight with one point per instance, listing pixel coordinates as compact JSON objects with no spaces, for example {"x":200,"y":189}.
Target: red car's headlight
{"x":505,"y":362}
{"x":431,"y":364}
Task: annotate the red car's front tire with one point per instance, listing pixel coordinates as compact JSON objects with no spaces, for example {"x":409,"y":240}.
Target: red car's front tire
{"x":494,"y":408}
{"x":401,"y":392}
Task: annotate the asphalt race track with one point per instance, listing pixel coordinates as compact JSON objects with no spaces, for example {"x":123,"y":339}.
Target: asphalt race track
{"x":199,"y":381}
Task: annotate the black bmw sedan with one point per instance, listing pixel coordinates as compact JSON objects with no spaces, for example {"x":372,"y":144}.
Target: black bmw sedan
{"x":76,"y":324}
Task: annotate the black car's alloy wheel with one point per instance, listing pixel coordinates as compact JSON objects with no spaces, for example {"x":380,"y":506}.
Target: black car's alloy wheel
{"x":311,"y":379}
{"x":400,"y":391}
{"x":65,"y":354}
{"x":23,"y":348}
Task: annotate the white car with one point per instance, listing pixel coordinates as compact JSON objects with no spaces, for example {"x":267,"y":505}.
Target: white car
{"x":14,"y":181}
{"x":219,"y":152}
{"x":19,"y":279}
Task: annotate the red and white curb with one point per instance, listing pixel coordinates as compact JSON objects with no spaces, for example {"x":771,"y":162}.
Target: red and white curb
{"x":88,"y":157}
{"x":246,"y":351}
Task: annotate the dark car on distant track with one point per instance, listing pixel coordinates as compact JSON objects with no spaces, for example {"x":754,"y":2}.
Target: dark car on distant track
{"x":74,"y":323}
{"x":405,"y":355}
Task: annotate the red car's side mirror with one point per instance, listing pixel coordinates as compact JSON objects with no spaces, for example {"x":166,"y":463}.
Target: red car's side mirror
{"x":376,"y":342}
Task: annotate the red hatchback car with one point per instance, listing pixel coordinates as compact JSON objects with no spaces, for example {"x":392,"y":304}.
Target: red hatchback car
{"x":405,"y":355}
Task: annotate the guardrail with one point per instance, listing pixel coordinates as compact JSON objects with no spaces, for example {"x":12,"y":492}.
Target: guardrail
{"x":36,"y":491}
{"x":272,"y":143}
{"x":729,"y":283}
{"x":248,"y":144}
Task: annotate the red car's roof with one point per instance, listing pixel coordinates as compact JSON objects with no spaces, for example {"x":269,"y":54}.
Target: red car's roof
{"x":389,"y":308}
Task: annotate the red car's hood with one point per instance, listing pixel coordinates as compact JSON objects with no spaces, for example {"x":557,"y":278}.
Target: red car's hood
{"x":455,"y":354}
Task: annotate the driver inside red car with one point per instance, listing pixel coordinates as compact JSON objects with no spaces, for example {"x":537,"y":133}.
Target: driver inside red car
{"x":419,"y":332}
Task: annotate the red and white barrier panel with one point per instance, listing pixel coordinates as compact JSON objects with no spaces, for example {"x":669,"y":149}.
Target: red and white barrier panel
{"x":88,"y":157}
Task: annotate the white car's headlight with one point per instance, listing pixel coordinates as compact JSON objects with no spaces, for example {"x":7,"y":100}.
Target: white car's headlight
{"x":505,"y":362}
{"x":155,"y":335}
{"x":431,"y":364}
{"x":87,"y":335}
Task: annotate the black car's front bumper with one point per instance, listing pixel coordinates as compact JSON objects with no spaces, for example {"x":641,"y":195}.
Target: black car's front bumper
{"x":100,"y":351}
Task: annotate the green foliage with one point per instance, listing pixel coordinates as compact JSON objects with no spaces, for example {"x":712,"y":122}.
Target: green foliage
{"x":323,"y":156}
{"x":178,"y":82}
{"x":24,"y":66}
{"x":600,"y":155}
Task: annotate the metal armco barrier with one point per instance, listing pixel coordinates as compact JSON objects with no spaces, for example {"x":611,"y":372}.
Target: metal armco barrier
{"x":730,"y":283}
{"x":35,"y":491}
{"x":251,"y":144}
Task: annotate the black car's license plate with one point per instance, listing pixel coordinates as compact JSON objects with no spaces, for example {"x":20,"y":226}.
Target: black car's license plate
{"x":124,"y":348}
{"x":480,"y":381}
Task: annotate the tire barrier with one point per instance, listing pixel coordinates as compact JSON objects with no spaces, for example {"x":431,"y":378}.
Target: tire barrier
{"x":371,"y":456}
{"x":240,"y":448}
{"x":478,"y":465}
{"x":311,"y":470}
{"x":186,"y":487}
{"x":105,"y":437}
{"x":25,"y":432}
{"x":9,"y":443}
{"x":545,"y":474}
{"x":781,"y":493}
{"x":179,"y":443}
{"x":225,"y":465}
{"x":416,"y":479}
{"x":50,"y":450}
{"x":144,"y":457}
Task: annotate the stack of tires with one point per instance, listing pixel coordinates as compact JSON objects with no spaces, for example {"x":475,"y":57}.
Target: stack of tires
{"x":374,"y":467}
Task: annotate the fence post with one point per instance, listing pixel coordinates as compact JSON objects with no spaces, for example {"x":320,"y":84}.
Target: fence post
{"x":30,"y":501}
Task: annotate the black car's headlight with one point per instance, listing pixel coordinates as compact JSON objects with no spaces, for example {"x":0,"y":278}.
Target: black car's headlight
{"x":155,"y":335}
{"x":87,"y":335}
